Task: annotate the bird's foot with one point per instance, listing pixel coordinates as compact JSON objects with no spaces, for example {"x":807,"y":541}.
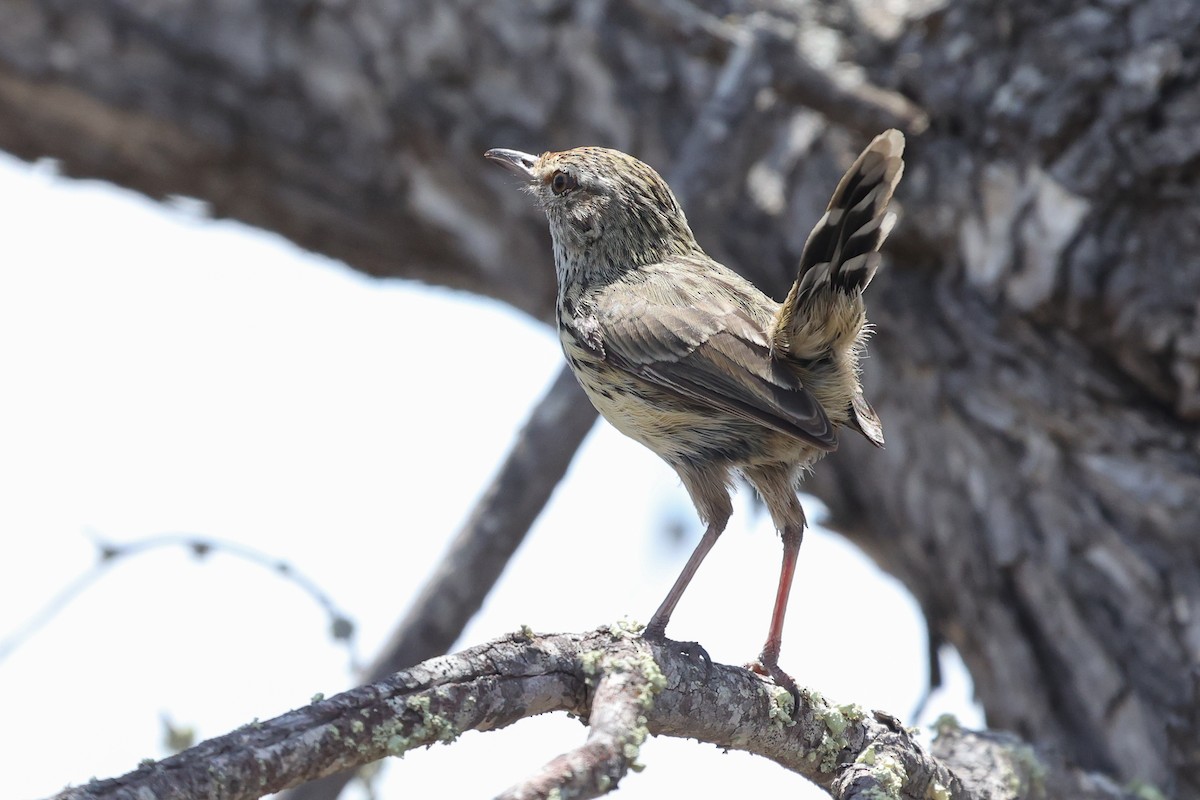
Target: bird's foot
{"x":769,"y":668}
{"x":692,"y":650}
{"x":696,"y":652}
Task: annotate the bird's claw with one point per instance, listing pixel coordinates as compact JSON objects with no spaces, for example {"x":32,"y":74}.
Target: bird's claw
{"x":696,"y":651}
{"x":778,"y":677}
{"x":692,"y":650}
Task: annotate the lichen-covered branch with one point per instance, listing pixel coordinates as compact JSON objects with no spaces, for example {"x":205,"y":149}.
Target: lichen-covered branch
{"x":625,"y":690}
{"x":535,"y":464}
{"x":626,"y":687}
{"x":1037,"y":362}
{"x":477,"y":555}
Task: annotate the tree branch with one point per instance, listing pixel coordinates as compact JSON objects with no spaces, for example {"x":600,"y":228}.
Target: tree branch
{"x":544,"y":448}
{"x":475,"y":559}
{"x":1048,"y":317}
{"x":625,"y":692}
{"x":458,"y":586}
{"x":626,"y":687}
{"x":853,"y":104}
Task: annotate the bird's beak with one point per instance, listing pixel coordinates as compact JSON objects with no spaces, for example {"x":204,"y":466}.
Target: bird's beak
{"x":514,"y":160}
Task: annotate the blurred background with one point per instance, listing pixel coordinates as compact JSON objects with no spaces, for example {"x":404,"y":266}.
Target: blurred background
{"x":263,"y":303}
{"x":173,"y":379}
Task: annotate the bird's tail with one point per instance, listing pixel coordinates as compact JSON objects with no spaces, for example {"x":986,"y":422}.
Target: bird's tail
{"x":823,"y":316}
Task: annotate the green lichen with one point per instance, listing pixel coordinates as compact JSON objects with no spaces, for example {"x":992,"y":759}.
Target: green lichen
{"x":638,"y":671}
{"x":525,"y":632}
{"x":147,"y":763}
{"x":1028,"y":772}
{"x":357,"y":726}
{"x":812,"y":697}
{"x":400,"y":734}
{"x":828,"y":751}
{"x":888,"y":773}
{"x":589,"y":662}
{"x":594,"y":662}
{"x":220,"y":780}
{"x":946,"y":723}
{"x":631,"y":747}
{"x":783,"y":706}
{"x":1012,"y":783}
{"x":853,"y":712}
{"x":318,"y":697}
{"x":938,"y":792}
{"x":656,"y":681}
{"x":626,"y":628}
{"x":834,"y":721}
{"x":1145,"y":791}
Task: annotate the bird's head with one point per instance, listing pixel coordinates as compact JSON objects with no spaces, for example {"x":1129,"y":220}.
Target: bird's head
{"x":605,"y":207}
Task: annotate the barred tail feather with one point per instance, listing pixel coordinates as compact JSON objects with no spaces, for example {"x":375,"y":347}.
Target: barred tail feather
{"x":824,"y":310}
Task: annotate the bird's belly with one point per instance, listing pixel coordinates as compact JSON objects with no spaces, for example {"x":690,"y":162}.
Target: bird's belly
{"x":650,"y":416}
{"x":679,"y":430}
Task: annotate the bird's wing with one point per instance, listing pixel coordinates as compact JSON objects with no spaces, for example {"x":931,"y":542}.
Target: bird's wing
{"x":710,"y":351}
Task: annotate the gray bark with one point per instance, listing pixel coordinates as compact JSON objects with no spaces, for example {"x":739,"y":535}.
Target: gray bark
{"x":626,"y":688}
{"x":1037,"y":362}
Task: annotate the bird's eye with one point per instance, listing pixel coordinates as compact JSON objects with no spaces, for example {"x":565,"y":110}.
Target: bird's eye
{"x":562,"y":183}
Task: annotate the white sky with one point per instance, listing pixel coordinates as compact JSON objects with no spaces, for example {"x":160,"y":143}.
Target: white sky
{"x":164,"y":373}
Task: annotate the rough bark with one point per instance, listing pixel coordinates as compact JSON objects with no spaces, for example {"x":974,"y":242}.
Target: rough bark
{"x":626,"y":688}
{"x":1037,"y":363}
{"x":1036,"y":368}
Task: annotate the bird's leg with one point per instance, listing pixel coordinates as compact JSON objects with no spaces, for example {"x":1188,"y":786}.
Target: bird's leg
{"x":768,"y":659}
{"x":708,"y":489}
{"x":657,"y":628}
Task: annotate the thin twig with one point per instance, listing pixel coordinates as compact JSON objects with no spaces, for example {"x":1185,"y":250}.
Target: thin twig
{"x":109,"y":554}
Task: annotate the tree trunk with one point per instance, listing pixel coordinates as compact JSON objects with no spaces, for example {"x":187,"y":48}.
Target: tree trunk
{"x":1037,"y":362}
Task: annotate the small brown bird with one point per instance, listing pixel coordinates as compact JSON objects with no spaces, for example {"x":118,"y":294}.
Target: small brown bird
{"x":691,"y":359}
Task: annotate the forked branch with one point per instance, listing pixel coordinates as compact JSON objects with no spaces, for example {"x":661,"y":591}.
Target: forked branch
{"x":626,"y":688}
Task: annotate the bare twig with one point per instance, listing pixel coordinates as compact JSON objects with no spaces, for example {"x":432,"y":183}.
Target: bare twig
{"x":109,"y":554}
{"x":640,"y":688}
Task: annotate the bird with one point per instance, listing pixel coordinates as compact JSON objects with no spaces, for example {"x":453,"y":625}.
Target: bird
{"x":689,"y":358}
